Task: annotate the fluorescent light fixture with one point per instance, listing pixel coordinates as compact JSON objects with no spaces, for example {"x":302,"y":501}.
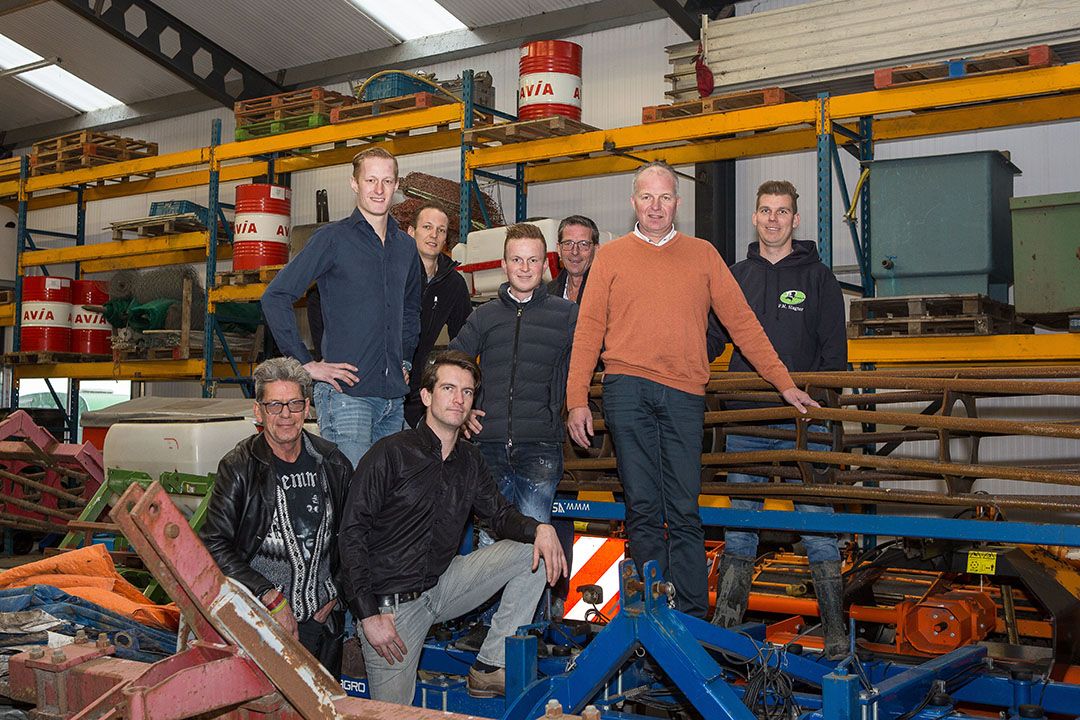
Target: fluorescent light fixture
{"x":53,"y":80}
{"x":410,"y":19}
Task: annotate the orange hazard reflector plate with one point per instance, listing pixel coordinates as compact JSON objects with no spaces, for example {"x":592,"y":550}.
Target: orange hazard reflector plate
{"x":596,"y":562}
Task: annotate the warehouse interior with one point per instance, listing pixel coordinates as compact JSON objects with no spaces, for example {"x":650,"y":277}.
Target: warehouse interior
{"x":933,"y":147}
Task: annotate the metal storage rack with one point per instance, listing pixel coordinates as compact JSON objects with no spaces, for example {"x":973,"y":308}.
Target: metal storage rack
{"x":827,"y":124}
{"x":209,"y":166}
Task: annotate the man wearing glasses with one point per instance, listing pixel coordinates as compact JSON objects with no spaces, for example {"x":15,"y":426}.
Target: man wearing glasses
{"x":275,"y":510}
{"x":578,"y":240}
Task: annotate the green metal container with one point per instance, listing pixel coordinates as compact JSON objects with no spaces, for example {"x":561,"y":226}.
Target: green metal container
{"x":1046,"y":253}
{"x":941,"y":224}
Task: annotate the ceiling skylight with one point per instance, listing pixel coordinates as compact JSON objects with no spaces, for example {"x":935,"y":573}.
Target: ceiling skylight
{"x":410,"y":19}
{"x":53,"y":80}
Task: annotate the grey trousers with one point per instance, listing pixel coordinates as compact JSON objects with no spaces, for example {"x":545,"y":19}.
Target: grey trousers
{"x":468,"y":582}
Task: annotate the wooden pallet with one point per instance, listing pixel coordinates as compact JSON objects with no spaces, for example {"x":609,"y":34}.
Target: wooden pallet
{"x":248,"y":277}
{"x":155,"y":225}
{"x":717,"y":103}
{"x":133,"y":146}
{"x":524,"y":130}
{"x":276,"y":127}
{"x":385,"y":106}
{"x":991,"y":63}
{"x":969,"y":314}
{"x":313,"y":101}
{"x":49,"y":357}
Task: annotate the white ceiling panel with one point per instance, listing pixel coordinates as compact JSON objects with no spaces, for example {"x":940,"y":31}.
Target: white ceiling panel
{"x":274,"y":34}
{"x":24,"y":105}
{"x":92,"y":54}
{"x":477,"y":14}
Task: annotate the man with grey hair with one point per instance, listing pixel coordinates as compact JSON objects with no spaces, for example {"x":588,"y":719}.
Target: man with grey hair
{"x":647,"y":309}
{"x":275,"y":509}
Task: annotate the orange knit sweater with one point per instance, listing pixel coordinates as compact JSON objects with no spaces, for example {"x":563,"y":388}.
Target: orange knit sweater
{"x":648,"y":307}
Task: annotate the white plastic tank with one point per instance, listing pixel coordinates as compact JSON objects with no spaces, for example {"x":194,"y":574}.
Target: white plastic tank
{"x":157,"y":447}
{"x":486,"y":246}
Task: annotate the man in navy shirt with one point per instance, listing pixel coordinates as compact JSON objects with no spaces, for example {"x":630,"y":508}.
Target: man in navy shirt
{"x":368,"y":274}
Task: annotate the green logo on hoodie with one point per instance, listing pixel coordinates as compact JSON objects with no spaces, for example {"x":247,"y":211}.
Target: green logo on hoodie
{"x":792,"y":297}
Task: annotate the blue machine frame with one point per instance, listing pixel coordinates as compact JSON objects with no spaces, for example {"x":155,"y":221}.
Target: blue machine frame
{"x":682,"y":646}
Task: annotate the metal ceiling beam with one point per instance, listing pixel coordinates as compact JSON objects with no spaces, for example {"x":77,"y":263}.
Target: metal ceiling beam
{"x":177,"y":47}
{"x":689,"y":25}
{"x":593,"y":17}
{"x":453,"y":46}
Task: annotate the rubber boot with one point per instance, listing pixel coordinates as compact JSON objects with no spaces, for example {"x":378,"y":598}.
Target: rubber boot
{"x":732,"y":590}
{"x":829,"y":590}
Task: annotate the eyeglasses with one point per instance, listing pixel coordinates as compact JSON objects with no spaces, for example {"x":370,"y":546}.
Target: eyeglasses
{"x":571,"y":245}
{"x":274,"y":407}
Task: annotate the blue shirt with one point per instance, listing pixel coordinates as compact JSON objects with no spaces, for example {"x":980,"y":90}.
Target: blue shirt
{"x":370,"y":302}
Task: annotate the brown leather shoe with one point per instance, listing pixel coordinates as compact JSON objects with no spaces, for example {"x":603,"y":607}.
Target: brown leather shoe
{"x":486,"y":684}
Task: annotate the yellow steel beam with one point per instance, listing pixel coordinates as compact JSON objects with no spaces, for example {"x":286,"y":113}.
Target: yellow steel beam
{"x":751,"y":146}
{"x":142,"y":166}
{"x":659,"y":133}
{"x":114,"y":249}
{"x":7,"y":315}
{"x":126,"y":370}
{"x":960,"y":91}
{"x":235,"y":293}
{"x":374,"y":125}
{"x":426,"y":142}
{"x":1029,"y":111}
{"x":177,"y":257}
{"x":976,"y":349}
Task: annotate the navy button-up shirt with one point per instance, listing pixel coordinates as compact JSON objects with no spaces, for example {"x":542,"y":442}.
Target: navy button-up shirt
{"x":370,"y":302}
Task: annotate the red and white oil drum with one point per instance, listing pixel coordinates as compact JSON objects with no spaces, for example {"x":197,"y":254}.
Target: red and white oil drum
{"x":90,"y":331}
{"x":549,"y":80}
{"x":45,"y":322}
{"x":261,"y":226}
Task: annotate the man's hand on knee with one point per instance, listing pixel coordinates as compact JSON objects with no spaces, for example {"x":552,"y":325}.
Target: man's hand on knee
{"x":381,"y":632}
{"x":546,"y":545}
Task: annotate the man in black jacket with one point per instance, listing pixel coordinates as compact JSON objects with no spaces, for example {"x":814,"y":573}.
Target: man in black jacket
{"x":408,"y":506}
{"x":444,"y":300}
{"x":274,"y":512}
{"x":799,"y":304}
{"x":523,"y":340}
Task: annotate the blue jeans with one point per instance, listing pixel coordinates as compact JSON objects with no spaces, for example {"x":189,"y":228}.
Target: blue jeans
{"x":354,"y":424}
{"x":527,"y":475}
{"x":657,"y":434}
{"x":743,"y":543}
{"x":465,"y":585}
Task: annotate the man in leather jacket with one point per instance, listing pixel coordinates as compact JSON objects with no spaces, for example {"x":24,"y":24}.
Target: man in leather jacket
{"x":275,"y":509}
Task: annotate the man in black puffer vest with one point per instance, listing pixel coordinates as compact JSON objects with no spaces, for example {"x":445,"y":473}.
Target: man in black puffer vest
{"x":523,"y":341}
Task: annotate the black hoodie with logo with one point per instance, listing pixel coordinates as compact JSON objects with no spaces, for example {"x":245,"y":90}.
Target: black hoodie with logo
{"x":800,"y":306}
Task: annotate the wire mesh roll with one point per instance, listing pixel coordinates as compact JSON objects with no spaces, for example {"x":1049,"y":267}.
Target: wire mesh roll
{"x":121,"y":284}
{"x":168,"y":283}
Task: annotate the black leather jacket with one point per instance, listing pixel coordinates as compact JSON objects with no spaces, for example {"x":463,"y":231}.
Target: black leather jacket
{"x":242,"y":505}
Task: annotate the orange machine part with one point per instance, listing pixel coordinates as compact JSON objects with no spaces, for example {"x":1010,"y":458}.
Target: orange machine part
{"x":942,"y":623}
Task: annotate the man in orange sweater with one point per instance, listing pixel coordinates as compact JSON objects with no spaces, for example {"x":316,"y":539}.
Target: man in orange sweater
{"x":649,"y":297}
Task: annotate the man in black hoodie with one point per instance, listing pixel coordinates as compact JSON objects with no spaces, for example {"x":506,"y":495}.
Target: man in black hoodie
{"x":444,"y":298}
{"x":799,"y":304}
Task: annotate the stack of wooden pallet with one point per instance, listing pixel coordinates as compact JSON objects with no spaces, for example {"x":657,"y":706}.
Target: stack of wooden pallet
{"x":968,"y":314}
{"x":285,"y":112}
{"x":85,"y":149}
